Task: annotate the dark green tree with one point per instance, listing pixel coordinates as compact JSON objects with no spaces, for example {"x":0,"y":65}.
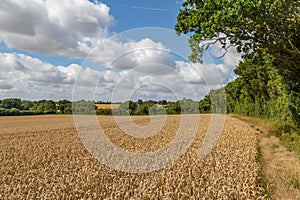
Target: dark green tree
{"x":246,"y":24}
{"x":157,"y":110}
{"x":205,"y":105}
{"x":49,"y":107}
{"x":26,"y":105}
{"x":11,"y":103}
{"x":143,"y":109}
{"x":173,"y":108}
{"x":65,"y":106}
{"x":128,"y":107}
{"x":162,"y":102}
{"x":140,"y":101}
{"x":267,"y":32}
{"x":84,"y":107}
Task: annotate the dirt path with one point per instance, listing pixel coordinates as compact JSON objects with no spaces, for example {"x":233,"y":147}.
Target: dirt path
{"x":281,"y":167}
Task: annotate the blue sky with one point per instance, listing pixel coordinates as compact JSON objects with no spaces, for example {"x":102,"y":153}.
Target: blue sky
{"x":102,"y":50}
{"x":127,"y":15}
{"x":143,"y":13}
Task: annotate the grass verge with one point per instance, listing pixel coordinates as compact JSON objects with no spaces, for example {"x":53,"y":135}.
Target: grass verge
{"x":288,"y":134}
{"x":262,"y":180}
{"x":279,"y":178}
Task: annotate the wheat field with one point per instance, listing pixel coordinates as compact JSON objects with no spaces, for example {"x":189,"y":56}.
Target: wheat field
{"x":42,"y":157}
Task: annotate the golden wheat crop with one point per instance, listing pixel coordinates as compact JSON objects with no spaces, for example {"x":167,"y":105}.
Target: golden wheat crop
{"x":42,"y":157}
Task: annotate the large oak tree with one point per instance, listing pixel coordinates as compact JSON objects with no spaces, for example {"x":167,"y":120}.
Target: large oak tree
{"x":268,"y":34}
{"x":248,"y":25}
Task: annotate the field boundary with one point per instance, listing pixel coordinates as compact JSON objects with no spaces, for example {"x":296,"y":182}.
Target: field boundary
{"x":280,"y":168}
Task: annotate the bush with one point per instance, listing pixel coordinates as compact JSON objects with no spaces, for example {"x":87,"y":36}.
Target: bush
{"x":120,"y":111}
{"x":103,"y":111}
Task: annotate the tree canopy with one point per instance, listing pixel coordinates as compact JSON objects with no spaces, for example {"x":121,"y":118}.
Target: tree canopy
{"x":267,"y":32}
{"x":248,"y":25}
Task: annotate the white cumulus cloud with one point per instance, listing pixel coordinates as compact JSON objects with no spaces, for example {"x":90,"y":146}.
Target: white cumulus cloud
{"x":54,"y":27}
{"x":230,"y":57}
{"x":30,"y":78}
{"x":79,"y":29}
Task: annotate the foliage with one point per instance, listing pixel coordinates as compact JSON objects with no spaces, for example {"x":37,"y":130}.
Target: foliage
{"x":246,"y":24}
{"x":260,"y":90}
{"x":267,"y":32}
{"x":16,"y":112}
{"x":11,"y":103}
{"x":151,"y":107}
{"x":143,"y":109}
{"x":10,"y":112}
{"x":120,"y":111}
{"x":103,"y":111}
{"x":173,"y":108}
{"x":205,"y":105}
{"x":83,"y":107}
{"x":162,"y":102}
{"x":128,"y":107}
{"x":157,"y":110}
{"x":15,"y":106}
{"x":188,"y":106}
{"x":26,"y":105}
{"x":65,"y":107}
{"x":218,"y":101}
{"x":43,"y":107}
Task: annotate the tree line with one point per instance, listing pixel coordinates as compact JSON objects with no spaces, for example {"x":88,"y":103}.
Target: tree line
{"x":260,"y":90}
{"x":161,"y":107}
{"x":16,"y":106}
{"x":267,"y":33}
{"x":149,"y":107}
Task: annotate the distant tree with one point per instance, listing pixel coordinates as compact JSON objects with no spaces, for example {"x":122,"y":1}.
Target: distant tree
{"x":140,"y":101}
{"x":188,"y":106}
{"x":151,"y":101}
{"x":65,"y":106}
{"x":143,"y":109}
{"x":205,"y":105}
{"x":103,"y":102}
{"x":218,"y":101}
{"x":173,"y":108}
{"x":162,"y":102}
{"x":49,"y":107}
{"x":104,"y":111}
{"x":157,"y":110}
{"x":68,"y":109}
{"x":84,"y":107}
{"x":129,"y":106}
{"x":11,"y":103}
{"x":26,"y":105}
{"x":15,"y":111}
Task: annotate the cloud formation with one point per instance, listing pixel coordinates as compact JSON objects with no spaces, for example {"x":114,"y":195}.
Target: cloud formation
{"x":79,"y":29}
{"x":56,"y":27}
{"x":25,"y":76}
{"x":231,"y":57}
{"x":119,"y":55}
{"x":71,"y":28}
